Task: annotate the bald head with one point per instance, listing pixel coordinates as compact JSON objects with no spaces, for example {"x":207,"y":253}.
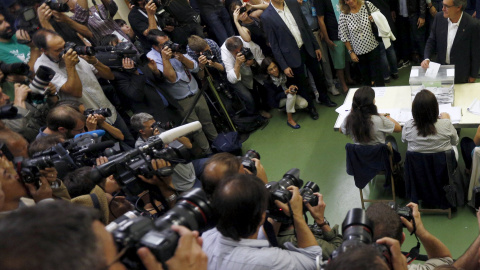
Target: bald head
{"x":217,"y":168}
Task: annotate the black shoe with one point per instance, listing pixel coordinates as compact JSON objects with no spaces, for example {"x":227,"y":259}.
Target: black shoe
{"x":395,"y":76}
{"x":313,"y":113}
{"x":328,"y":103}
{"x":386,"y":80}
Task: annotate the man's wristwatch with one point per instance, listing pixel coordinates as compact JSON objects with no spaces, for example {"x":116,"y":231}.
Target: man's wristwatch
{"x":325,"y":222}
{"x":350,"y":51}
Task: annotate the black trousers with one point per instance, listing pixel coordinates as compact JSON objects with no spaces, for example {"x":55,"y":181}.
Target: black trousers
{"x":300,"y":77}
{"x":370,"y":63}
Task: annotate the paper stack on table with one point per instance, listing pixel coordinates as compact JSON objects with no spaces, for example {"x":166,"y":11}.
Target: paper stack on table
{"x":454,"y":112}
{"x":474,"y":107}
{"x":444,"y":95}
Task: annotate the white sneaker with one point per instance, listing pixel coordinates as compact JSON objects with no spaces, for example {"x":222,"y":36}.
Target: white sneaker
{"x":333,"y":90}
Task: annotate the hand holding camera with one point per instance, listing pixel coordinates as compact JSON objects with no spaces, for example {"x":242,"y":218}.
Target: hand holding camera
{"x":296,"y":202}
{"x":240,"y":59}
{"x":24,"y":37}
{"x":21,"y":94}
{"x":151,"y":8}
{"x":92,"y":60}
{"x":44,"y":190}
{"x":398,"y":260}
{"x":416,"y":218}
{"x":44,"y":13}
{"x":70,"y":58}
{"x":292,"y":90}
{"x":128,"y":64}
{"x":50,"y":174}
{"x":317,"y":211}
{"x":91,"y":123}
{"x":167,"y":53}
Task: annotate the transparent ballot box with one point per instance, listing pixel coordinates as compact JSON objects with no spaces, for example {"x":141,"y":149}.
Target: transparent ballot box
{"x":439,"y":80}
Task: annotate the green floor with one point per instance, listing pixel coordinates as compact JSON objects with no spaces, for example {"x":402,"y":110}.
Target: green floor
{"x":319,"y":153}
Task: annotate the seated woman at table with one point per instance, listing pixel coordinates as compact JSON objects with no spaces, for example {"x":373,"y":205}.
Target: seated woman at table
{"x":428,"y":132}
{"x":364,"y":124}
{"x":280,"y":91}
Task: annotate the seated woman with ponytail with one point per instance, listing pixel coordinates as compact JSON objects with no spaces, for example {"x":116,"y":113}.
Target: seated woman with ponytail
{"x":364,"y":125}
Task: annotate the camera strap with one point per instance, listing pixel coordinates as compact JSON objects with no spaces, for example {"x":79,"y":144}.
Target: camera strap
{"x":267,"y":226}
{"x":414,"y":253}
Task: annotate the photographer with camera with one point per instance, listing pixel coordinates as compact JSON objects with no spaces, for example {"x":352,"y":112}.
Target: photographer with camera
{"x":241,"y":202}
{"x":33,"y":111}
{"x":182,"y":86}
{"x":207,"y":53}
{"x":223,"y":165}
{"x":75,"y":77}
{"x":382,"y":215}
{"x":98,"y":18}
{"x":12,"y":51}
{"x":184,"y":175}
{"x":239,"y":57}
{"x":85,"y":243}
{"x":327,"y":238}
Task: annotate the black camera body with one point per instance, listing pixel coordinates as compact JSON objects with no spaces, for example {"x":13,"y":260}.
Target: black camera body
{"x":242,"y":10}
{"x":175,"y":47}
{"x":247,"y":53}
{"x":307,"y":193}
{"x":80,"y":50}
{"x":27,"y":20}
{"x":278,"y":191}
{"x":209,"y":55}
{"x":193,"y":211}
{"x":29,"y":169}
{"x":405,"y":211}
{"x":247,"y":161}
{"x":112,"y":56}
{"x":105,"y":112}
{"x":60,"y":7}
{"x":357,"y":231}
{"x":163,"y":125}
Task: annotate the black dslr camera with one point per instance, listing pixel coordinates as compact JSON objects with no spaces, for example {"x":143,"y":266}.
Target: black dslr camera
{"x":247,"y":53}
{"x":163,"y":125}
{"x":357,"y":231}
{"x":60,"y":7}
{"x":80,"y":50}
{"x":193,"y":211}
{"x":27,"y":20}
{"x":209,"y":55}
{"x":242,"y":10}
{"x":29,"y":169}
{"x":307,"y":193}
{"x":247,"y":161}
{"x":405,"y":211}
{"x":175,"y":47}
{"x":106,"y":112}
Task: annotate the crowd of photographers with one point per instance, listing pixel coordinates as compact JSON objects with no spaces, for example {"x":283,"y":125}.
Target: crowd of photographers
{"x":78,"y":191}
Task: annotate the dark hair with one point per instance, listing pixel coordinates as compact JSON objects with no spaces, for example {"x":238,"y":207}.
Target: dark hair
{"x":386,"y":222}
{"x":56,"y":235}
{"x":233,"y":43}
{"x":63,"y":116}
{"x":40,"y":38}
{"x":120,"y":22}
{"x":152,"y":36}
{"x":106,"y":40}
{"x":362,"y":258}
{"x":216,"y":168}
{"x":240,"y":202}
{"x":72,"y":103}
{"x":44,"y":143}
{"x":425,"y":113}
{"x":359,"y":122}
{"x":266,"y":62}
{"x":79,"y":182}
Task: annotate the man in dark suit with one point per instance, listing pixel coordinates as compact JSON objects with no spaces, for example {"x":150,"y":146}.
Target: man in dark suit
{"x":294,"y":46}
{"x":455,"y":39}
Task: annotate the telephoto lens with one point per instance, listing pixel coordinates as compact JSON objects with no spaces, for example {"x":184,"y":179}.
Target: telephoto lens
{"x":14,"y":68}
{"x":42,"y":78}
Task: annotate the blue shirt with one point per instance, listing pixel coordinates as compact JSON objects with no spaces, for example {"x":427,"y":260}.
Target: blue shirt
{"x":213,"y":47}
{"x":185,"y":85}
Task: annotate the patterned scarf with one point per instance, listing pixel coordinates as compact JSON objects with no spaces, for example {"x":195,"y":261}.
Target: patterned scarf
{"x":280,"y":81}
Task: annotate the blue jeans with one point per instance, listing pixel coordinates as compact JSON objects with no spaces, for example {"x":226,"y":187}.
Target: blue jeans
{"x":389,"y":60}
{"x":219,"y":22}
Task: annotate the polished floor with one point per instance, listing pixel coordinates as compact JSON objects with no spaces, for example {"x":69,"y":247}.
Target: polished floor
{"x":319,"y":152}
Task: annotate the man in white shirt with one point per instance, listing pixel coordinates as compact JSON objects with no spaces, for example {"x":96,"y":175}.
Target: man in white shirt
{"x":455,"y":39}
{"x":239,"y":72}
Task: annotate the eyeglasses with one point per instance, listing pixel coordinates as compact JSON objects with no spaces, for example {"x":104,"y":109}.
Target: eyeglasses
{"x":448,"y":6}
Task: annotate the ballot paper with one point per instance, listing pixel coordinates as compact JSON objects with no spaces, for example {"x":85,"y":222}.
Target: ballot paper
{"x":474,"y":107}
{"x":379,"y":91}
{"x":454,"y":112}
{"x":444,"y":95}
{"x":432,"y":70}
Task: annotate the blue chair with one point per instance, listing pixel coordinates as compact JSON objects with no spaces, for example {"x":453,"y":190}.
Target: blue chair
{"x":426,"y":175}
{"x":364,"y":162}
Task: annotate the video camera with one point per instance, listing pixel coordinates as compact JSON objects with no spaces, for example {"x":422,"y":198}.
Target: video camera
{"x":278,"y":191}
{"x":193,"y":211}
{"x":14,"y":68}
{"x":69,"y":155}
{"x":27,"y":20}
{"x":105,"y":112}
{"x":357,"y":231}
{"x":247,"y":53}
{"x":162,"y":125}
{"x":112,"y":56}
{"x":126,"y":166}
